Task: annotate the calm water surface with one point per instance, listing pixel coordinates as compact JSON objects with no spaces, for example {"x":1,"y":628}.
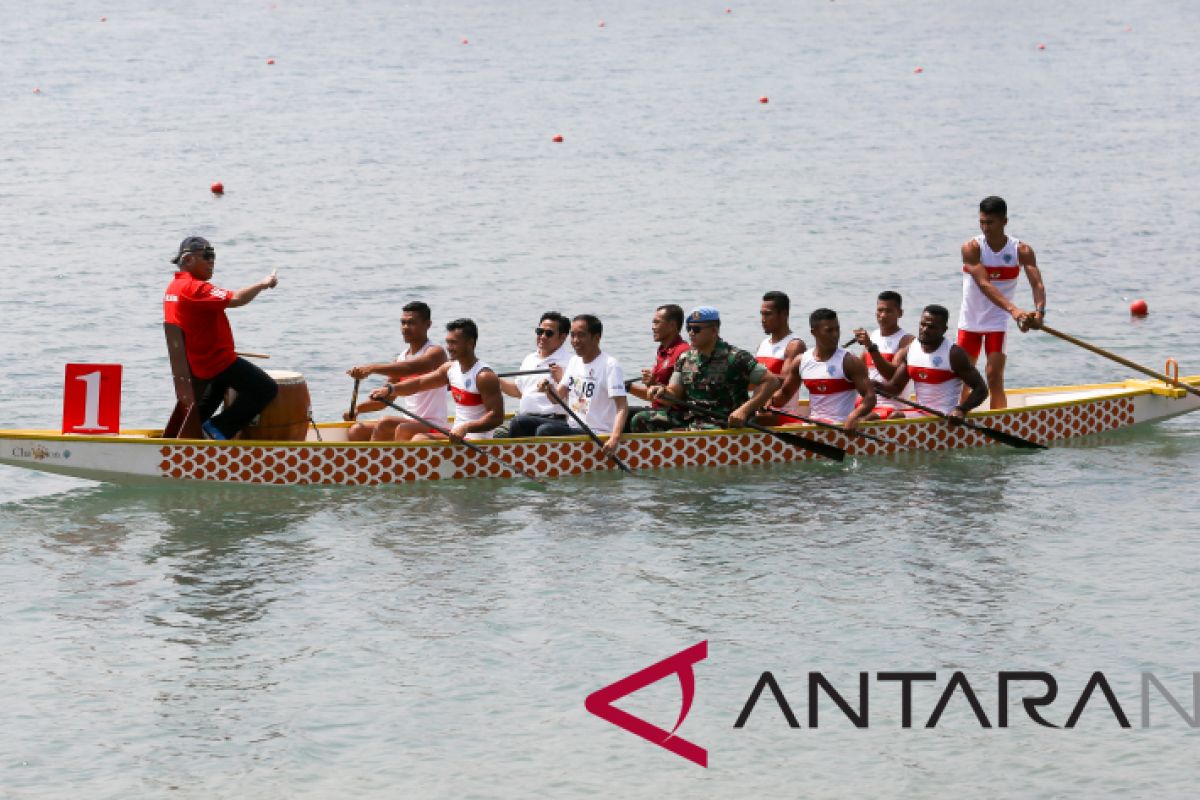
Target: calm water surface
{"x":434,"y":641}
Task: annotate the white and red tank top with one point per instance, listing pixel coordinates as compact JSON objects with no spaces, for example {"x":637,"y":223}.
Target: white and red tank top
{"x":468,"y":402}
{"x":978,"y":313}
{"x":937,"y":385}
{"x":888,"y":346}
{"x":831,"y":394}
{"x":432,"y":403}
{"x":773,"y":355}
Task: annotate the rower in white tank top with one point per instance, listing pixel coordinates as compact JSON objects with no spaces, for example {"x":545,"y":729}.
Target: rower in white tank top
{"x":831,"y":394}
{"x":431,"y":404}
{"x":979,"y":314}
{"x":773,"y":355}
{"x":888,"y":347}
{"x":468,"y":402}
{"x":936,"y":384}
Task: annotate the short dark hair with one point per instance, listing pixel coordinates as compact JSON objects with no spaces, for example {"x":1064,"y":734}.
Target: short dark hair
{"x":673,"y":313}
{"x":779,"y":300}
{"x":564,"y":324}
{"x":888,"y":296}
{"x":467,"y":326}
{"x":417,"y":307}
{"x":820,"y":315}
{"x":594,"y":326}
{"x":993,"y":206}
{"x":938,"y":311}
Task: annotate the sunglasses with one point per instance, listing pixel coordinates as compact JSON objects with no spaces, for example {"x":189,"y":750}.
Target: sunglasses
{"x":545,"y":332}
{"x":208,"y":254}
{"x":694,"y":329}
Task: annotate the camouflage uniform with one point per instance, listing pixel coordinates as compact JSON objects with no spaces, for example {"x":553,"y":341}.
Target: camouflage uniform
{"x":719,"y":381}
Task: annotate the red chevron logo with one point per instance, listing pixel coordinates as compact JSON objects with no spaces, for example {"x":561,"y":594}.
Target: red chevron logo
{"x":601,"y":702}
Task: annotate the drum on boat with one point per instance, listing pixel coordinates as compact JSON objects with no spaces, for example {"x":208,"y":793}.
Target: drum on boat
{"x":286,"y":418}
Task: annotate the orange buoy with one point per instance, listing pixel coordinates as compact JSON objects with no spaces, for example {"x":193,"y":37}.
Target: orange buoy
{"x":1138,"y":308}
{"x":918,"y":70}
{"x":557,"y":137}
{"x":1041,"y":47}
{"x":764,"y":99}
{"x":218,"y":188}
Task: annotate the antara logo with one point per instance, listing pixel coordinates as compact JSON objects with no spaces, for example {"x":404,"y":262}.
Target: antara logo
{"x":601,"y":702}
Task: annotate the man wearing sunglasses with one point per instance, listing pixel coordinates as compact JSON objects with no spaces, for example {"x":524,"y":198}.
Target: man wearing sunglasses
{"x":713,"y":374}
{"x":198,"y":307}
{"x":552,"y":353}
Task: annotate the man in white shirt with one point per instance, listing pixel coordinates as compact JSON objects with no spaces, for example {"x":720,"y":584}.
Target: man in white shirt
{"x":553,"y":352}
{"x":593,"y":385}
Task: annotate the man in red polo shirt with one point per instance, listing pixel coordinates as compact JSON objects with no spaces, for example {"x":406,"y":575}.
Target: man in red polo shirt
{"x":666,"y":327}
{"x":198,"y":307}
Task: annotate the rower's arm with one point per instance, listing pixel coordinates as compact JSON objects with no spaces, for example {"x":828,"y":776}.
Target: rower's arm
{"x":885,"y":366}
{"x":856,"y":372}
{"x":244,"y":295}
{"x":790,"y":374}
{"x":899,"y":378}
{"x":614,"y":437}
{"x":768,"y":384}
{"x":960,"y":365}
{"x":1028,"y":260}
{"x":509,"y":387}
{"x":427,"y":362}
{"x":493,"y":401}
{"x":639,"y":390}
{"x":973,"y":264}
{"x":422,"y":383}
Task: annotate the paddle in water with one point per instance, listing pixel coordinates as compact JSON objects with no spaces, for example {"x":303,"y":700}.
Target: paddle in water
{"x":433,"y":426}
{"x":591,"y":433}
{"x":1000,"y":436}
{"x":1066,"y":337}
{"x":717,"y":415}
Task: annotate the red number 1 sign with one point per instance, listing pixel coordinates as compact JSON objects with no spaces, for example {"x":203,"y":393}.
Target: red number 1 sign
{"x":92,"y":399}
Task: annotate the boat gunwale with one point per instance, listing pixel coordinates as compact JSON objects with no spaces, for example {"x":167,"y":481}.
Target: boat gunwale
{"x":147,"y":436}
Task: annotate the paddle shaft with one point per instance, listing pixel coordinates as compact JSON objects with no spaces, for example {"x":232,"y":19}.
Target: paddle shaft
{"x":833,"y":427}
{"x":567,"y":408}
{"x":1066,"y":337}
{"x":1010,"y":439}
{"x":522,"y":372}
{"x":354,"y":400}
{"x":820,"y":448}
{"x":475,"y":448}
{"x":247,"y":354}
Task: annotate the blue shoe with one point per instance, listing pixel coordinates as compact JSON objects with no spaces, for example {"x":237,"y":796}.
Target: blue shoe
{"x":213,"y":432}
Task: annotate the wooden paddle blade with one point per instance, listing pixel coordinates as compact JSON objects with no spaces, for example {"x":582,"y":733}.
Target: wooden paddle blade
{"x":811,"y":445}
{"x":1008,"y":438}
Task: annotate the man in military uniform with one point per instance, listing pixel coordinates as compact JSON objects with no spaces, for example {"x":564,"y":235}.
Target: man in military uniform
{"x":713,"y":374}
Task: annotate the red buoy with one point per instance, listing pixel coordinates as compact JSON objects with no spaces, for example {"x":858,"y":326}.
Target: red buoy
{"x":465,"y":41}
{"x":557,"y":137}
{"x":1041,"y":47}
{"x":270,"y":61}
{"x":1138,"y":308}
{"x":918,"y":70}
{"x":601,"y":25}
{"x":37,"y":90}
{"x":764,"y":99}
{"x":729,"y":11}
{"x":104,"y":19}
{"x":218,"y":188}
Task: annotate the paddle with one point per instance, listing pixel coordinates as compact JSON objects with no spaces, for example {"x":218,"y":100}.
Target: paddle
{"x":247,"y":354}
{"x":481,"y":451}
{"x":811,"y":445}
{"x":522,"y":372}
{"x":833,"y":427}
{"x":1000,"y":436}
{"x":1066,"y":337}
{"x":583,"y":425}
{"x":353,"y":414}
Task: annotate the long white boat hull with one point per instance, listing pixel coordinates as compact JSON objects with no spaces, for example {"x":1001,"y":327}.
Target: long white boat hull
{"x":1043,"y":415}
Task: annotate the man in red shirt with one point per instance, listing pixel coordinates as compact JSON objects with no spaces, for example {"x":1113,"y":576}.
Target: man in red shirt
{"x":198,"y":307}
{"x":666,"y":327}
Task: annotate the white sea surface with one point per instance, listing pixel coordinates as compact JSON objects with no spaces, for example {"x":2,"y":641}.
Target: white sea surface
{"x":439,"y":641}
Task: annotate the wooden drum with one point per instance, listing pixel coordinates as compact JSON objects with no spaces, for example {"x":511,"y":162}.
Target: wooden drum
{"x":285,"y":419}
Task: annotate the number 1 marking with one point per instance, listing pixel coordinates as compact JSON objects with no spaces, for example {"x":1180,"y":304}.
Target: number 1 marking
{"x":91,"y":407}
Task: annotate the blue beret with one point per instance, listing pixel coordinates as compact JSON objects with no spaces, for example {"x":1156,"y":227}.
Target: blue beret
{"x":704,"y":314}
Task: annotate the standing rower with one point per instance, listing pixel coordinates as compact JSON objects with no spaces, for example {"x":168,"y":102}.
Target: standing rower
{"x":992,"y":264}
{"x":939,"y":369}
{"x":779,"y":351}
{"x":421,"y":357}
{"x":835,"y":379}
{"x":882,"y":345}
{"x":478,"y":403}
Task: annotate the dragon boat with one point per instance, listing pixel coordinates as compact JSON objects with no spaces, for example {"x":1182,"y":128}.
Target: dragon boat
{"x":1045,"y":415}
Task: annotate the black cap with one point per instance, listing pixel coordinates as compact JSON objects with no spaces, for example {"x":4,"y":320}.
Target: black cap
{"x":192,"y":244}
